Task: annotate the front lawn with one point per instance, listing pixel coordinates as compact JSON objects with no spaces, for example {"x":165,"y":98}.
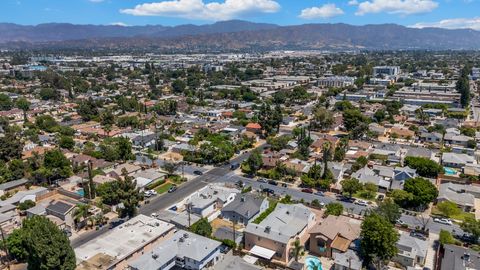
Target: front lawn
{"x":163,"y":188}
{"x":461,"y":216}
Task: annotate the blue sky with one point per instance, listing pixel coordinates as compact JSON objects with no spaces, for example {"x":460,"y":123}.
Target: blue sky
{"x":419,"y":13}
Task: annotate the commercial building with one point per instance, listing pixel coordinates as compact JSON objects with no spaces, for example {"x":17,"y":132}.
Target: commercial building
{"x":123,"y":244}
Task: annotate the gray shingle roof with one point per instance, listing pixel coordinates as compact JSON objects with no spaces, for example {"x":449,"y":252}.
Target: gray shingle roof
{"x":246,"y":205}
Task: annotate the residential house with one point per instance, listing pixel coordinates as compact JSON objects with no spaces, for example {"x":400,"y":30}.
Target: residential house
{"x":368,"y":175}
{"x":458,"y":258}
{"x":208,"y":201}
{"x":462,"y":195}
{"x":184,"y":250}
{"x":348,"y":260}
{"x":254,"y":127}
{"x":62,"y":210}
{"x":273,"y":237}
{"x":401,"y":174}
{"x":457,"y":139}
{"x":244,"y":208}
{"x":455,"y":160}
{"x":431,"y":137}
{"x":411,"y":250}
{"x":335,"y":234}
{"x":148,"y":176}
{"x":12,"y":186}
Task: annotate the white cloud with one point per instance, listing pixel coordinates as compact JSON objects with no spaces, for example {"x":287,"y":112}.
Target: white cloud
{"x":402,"y":7}
{"x":324,"y":12}
{"x":457,"y":23}
{"x":197,"y":9}
{"x":119,"y":24}
{"x":352,"y":2}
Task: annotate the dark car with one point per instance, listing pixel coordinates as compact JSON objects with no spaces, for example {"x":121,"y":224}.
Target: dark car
{"x":273,"y":182}
{"x":262,"y":180}
{"x":418,"y":235}
{"x":307,"y":190}
{"x":268,"y":191}
{"x":198,"y":172}
{"x":240,"y":184}
{"x":172,"y":189}
{"x":346,"y":199}
{"x":234,"y":166}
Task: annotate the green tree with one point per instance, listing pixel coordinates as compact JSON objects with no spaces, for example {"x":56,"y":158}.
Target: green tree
{"x":42,"y":245}
{"x":5,"y":102}
{"x":202,"y":227}
{"x":255,"y":161}
{"x":389,"y":210}
{"x":24,"y":105}
{"x":322,"y":118}
{"x":352,"y":118}
{"x":471,"y":225}
{"x":360,"y":162}
{"x":425,"y":167}
{"x":66,"y":142}
{"x":446,"y":238}
{"x":351,"y":186}
{"x":448,"y":208}
{"x":296,"y":249}
{"x":129,"y":196}
{"x":423,"y":191}
{"x":334,"y":208}
{"x":10,"y":147}
{"x":401,"y":197}
{"x":170,"y":168}
{"x":378,"y":240}
{"x":179,"y":86}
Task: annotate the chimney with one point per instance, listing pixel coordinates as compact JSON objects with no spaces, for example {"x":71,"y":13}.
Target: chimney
{"x":267,"y":229}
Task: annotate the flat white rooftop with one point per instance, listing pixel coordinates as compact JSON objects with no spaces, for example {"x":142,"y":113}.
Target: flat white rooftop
{"x":124,"y":239}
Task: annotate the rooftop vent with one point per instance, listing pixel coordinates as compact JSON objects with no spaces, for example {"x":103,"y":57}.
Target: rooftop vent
{"x":154,"y":256}
{"x":267,"y":229}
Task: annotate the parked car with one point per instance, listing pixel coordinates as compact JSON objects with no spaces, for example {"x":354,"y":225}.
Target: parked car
{"x":198,"y":172}
{"x":147,"y":193}
{"x":401,"y":222}
{"x":262,"y":180}
{"x":445,"y":221}
{"x":172,"y":189}
{"x":361,"y":202}
{"x":240,"y":184}
{"x":154,"y":215}
{"x":173,"y":208}
{"x":272,"y":182}
{"x":284,"y":185}
{"x":153,"y":191}
{"x":418,"y":235}
{"x":234,"y":166}
{"x":319,"y":193}
{"x":346,"y":199}
{"x":268,"y":191}
{"x":307,"y":190}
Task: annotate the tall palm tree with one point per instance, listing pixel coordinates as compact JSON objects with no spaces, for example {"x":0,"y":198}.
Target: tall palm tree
{"x":297,"y":249}
{"x":326,"y":149}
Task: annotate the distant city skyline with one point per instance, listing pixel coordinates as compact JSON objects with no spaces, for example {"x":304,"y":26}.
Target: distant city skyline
{"x":414,"y":13}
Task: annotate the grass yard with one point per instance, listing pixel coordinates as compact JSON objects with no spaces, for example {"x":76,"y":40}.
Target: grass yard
{"x":163,"y":188}
{"x":460,"y":216}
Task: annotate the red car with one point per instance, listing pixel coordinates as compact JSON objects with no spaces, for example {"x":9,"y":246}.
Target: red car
{"x":307,"y":190}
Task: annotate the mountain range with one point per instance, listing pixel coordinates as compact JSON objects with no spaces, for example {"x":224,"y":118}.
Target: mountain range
{"x":234,"y":35}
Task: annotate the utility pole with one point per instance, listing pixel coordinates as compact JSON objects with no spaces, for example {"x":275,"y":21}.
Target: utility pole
{"x":188,"y":211}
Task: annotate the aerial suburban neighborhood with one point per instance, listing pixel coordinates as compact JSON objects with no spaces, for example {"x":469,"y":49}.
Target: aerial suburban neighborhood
{"x":148,"y":144}
{"x":241,"y":161}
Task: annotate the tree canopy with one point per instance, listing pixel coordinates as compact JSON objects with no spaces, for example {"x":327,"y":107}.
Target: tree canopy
{"x":378,"y":240}
{"x":42,"y":245}
{"x":425,"y":167}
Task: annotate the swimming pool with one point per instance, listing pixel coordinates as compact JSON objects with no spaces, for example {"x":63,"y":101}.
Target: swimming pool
{"x":449,"y":171}
{"x":313,"y":263}
{"x":81,"y":192}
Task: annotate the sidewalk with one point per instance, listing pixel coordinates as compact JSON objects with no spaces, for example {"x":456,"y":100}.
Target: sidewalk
{"x":431,"y":252}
